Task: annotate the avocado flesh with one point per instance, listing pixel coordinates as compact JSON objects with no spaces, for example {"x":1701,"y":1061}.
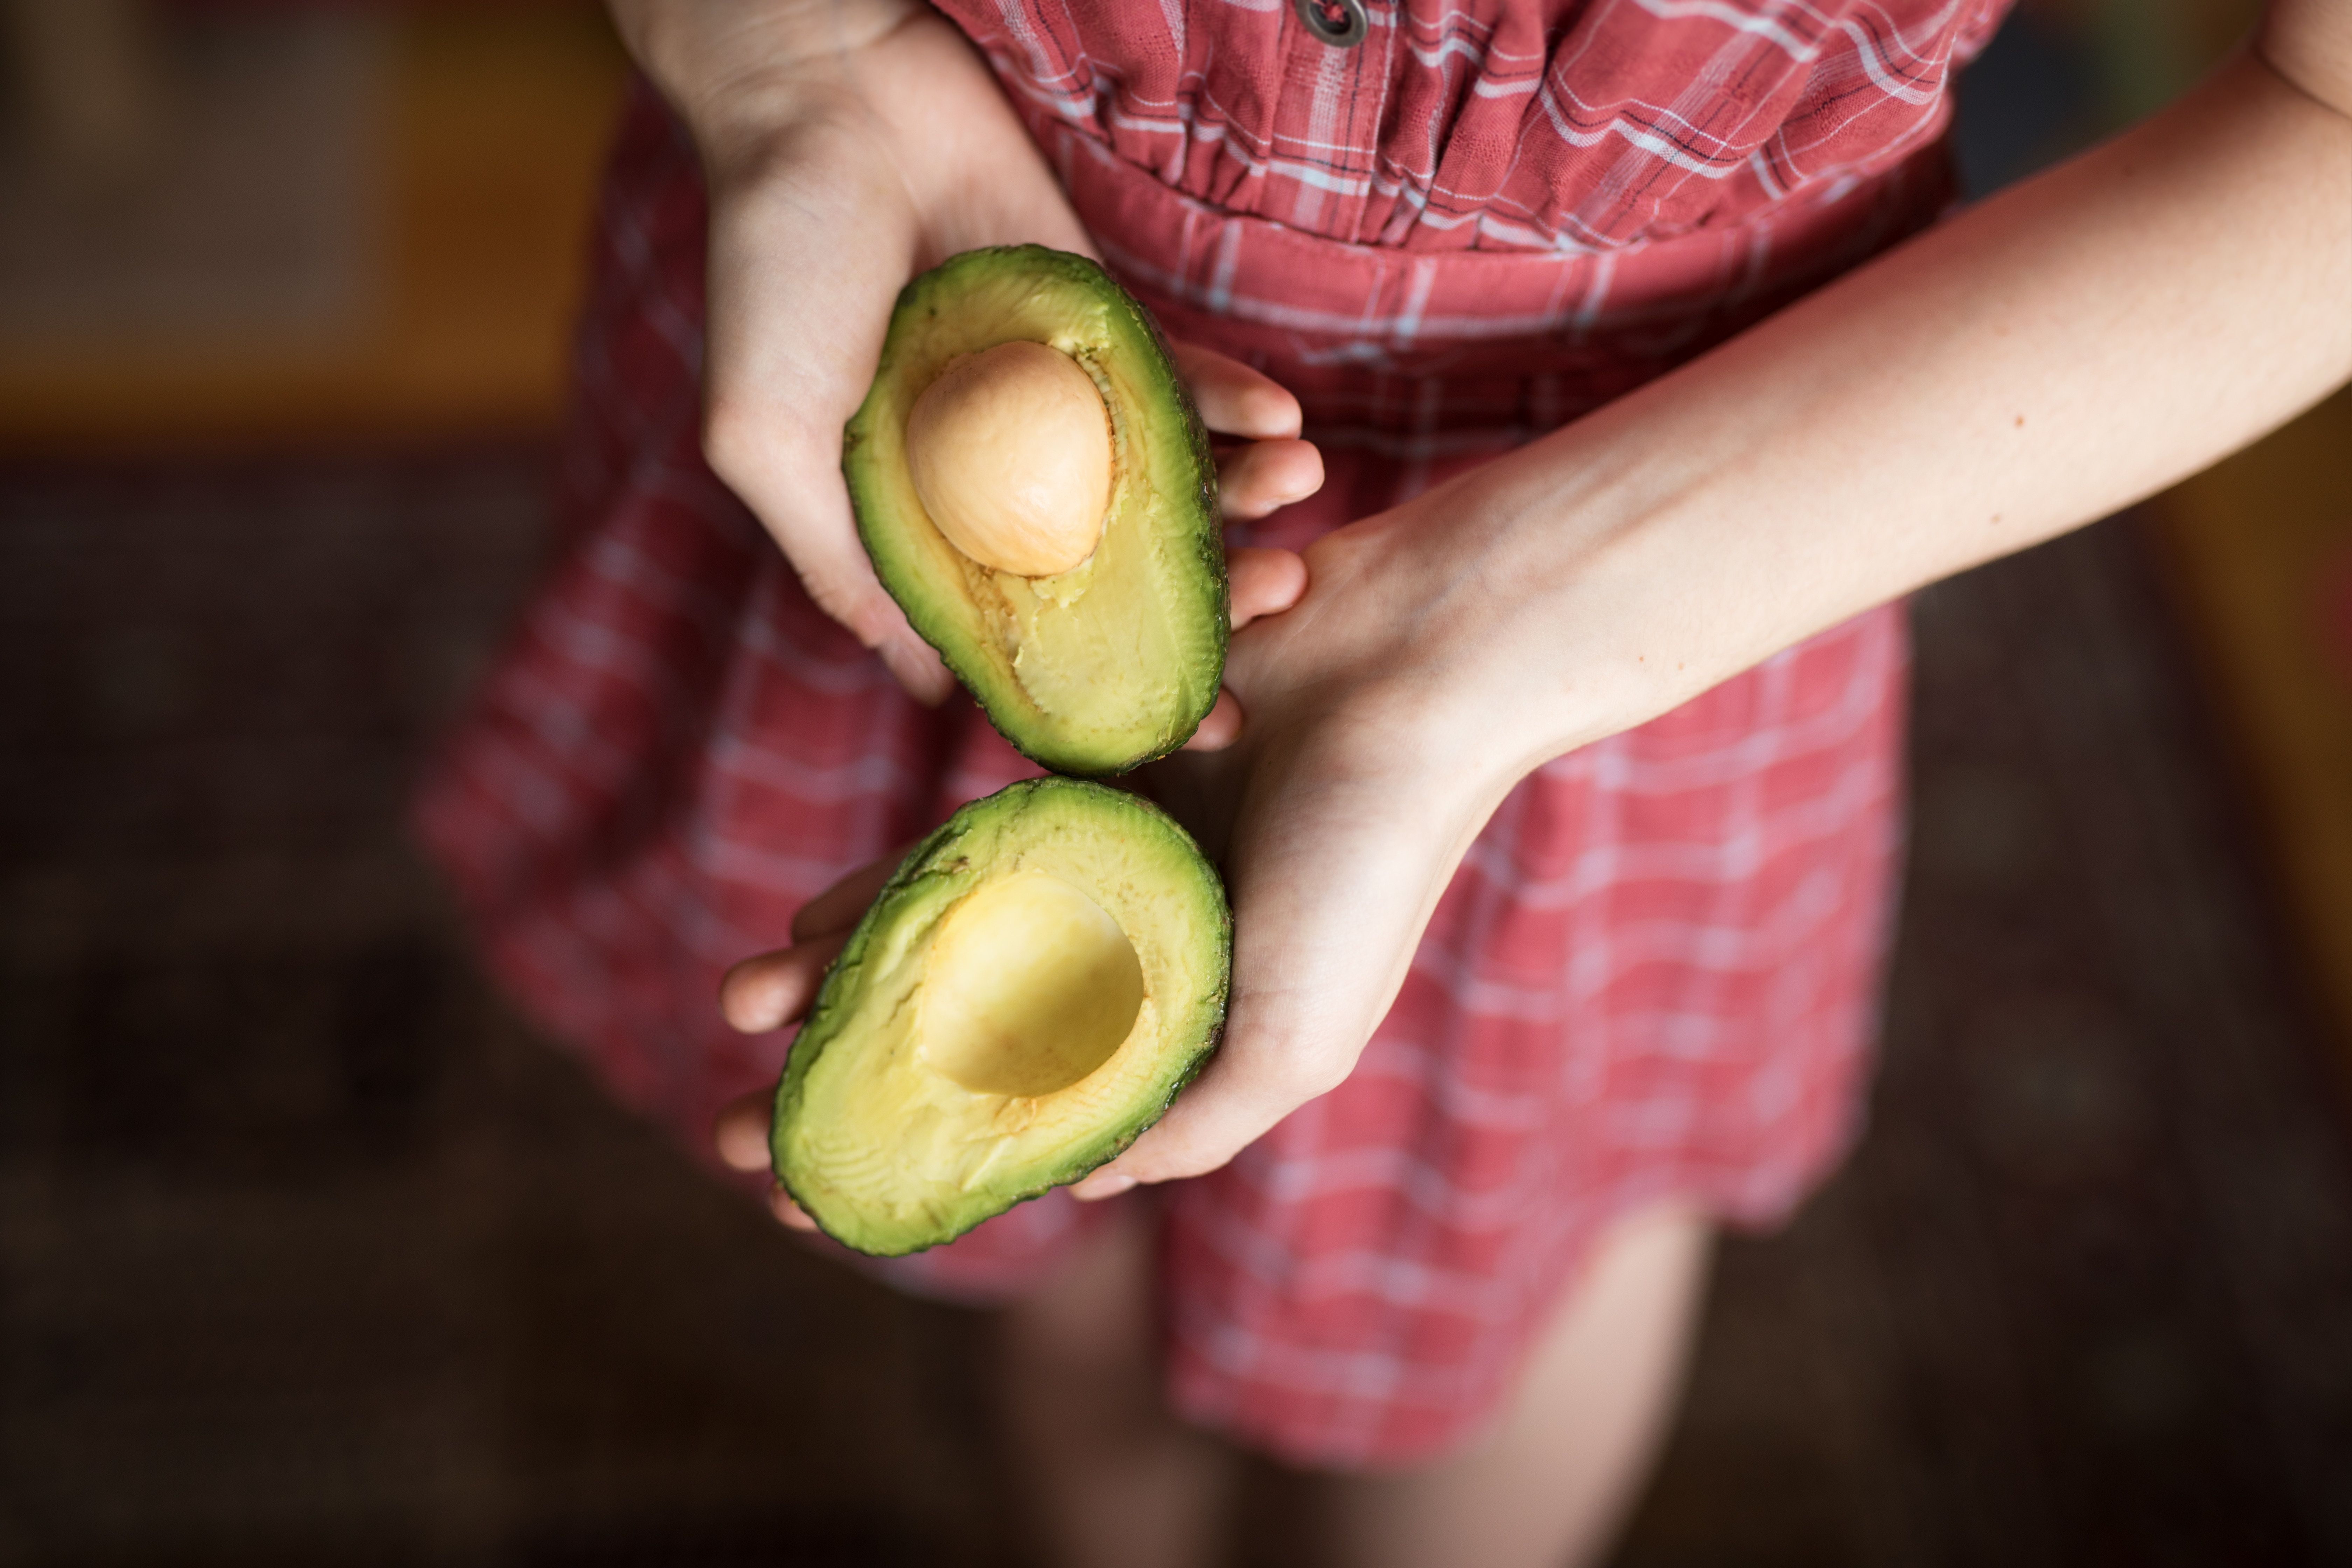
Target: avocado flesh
{"x":1116,"y":662}
{"x":1023,"y":999}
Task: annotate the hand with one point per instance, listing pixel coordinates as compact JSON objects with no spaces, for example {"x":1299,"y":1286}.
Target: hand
{"x":1868,"y":440}
{"x":1265,"y":467}
{"x":848,"y":146}
{"x":774,"y":989}
{"x":1340,"y":818}
{"x":778,"y":988}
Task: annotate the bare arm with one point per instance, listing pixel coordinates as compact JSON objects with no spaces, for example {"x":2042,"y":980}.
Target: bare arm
{"x":2056,"y":352}
{"x":2061,"y":351}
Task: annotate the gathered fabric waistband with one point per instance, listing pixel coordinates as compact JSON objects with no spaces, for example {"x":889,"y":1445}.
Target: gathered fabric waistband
{"x":1387,"y":340}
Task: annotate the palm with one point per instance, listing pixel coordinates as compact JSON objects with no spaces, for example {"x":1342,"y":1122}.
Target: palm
{"x":1339,"y":820}
{"x":812,"y":233}
{"x":1333,"y":863}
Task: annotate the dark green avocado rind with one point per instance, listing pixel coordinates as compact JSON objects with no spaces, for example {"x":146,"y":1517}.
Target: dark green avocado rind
{"x":937,"y":856}
{"x":917,"y":302}
{"x":1211,"y":539}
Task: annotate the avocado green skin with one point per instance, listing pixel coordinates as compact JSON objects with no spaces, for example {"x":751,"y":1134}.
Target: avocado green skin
{"x":938,"y":856}
{"x":1203,"y":540}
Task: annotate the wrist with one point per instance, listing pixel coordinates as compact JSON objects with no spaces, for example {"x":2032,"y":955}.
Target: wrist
{"x":1619,"y":574}
{"x":1495,"y":623}
{"x":742,"y":74}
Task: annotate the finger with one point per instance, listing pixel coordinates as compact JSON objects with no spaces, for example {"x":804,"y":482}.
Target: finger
{"x":780,"y":1204}
{"x":915,"y":666}
{"x":792,"y":485}
{"x":775,"y":988}
{"x":842,"y":583}
{"x":741,"y":1133}
{"x":1263,"y":582}
{"x":1234,"y":399}
{"x":1239,"y":1098}
{"x":803,"y":505}
{"x":1220,"y":728}
{"x":838,"y":907}
{"x":1256,"y":480}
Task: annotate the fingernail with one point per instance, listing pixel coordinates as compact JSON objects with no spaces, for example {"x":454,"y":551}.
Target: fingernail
{"x":1093,"y":1189}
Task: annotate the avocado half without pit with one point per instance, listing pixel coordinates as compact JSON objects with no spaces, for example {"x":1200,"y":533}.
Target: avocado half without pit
{"x":1024,"y":997}
{"x":1037,"y":492}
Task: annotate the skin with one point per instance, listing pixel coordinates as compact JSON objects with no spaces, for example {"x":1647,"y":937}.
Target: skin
{"x":848,"y":147}
{"x":2052,"y":354}
{"x":2073,"y":345}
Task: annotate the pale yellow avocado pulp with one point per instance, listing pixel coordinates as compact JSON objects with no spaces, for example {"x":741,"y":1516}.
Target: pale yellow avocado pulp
{"x":1115,"y":661}
{"x":1028,"y":987}
{"x":1024,"y":998}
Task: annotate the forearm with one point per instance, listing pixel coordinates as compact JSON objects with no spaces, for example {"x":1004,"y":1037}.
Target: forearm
{"x":2037,"y":362}
{"x":2059,"y":351}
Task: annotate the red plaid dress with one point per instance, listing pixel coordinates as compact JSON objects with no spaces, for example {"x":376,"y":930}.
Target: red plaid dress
{"x":1654,"y":974}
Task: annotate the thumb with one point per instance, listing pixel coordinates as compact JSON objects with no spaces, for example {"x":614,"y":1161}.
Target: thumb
{"x":1331,"y":889}
{"x":806,"y":252}
{"x":1235,"y":1101}
{"x":800,"y":498}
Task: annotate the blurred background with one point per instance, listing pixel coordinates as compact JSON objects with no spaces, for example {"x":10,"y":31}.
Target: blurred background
{"x":309,"y":1254}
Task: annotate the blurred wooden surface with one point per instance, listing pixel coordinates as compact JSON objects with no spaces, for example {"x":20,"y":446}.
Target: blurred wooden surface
{"x":476,"y":193}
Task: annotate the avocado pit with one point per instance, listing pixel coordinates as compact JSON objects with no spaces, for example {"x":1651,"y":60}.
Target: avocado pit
{"x":1009,"y":452}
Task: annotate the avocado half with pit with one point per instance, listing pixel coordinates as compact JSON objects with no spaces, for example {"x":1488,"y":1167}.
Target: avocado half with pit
{"x":1037,"y":492}
{"x":1024,"y":997}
